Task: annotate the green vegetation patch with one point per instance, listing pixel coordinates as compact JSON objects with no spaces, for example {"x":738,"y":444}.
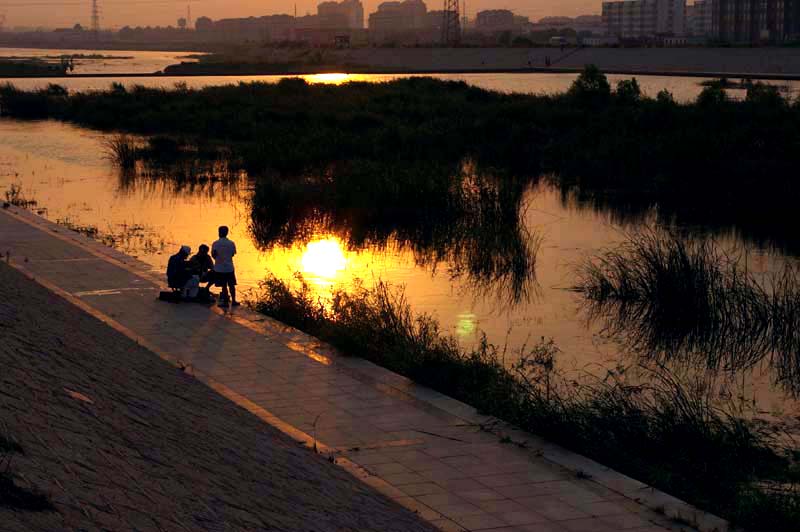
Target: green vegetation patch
{"x":667,"y":432}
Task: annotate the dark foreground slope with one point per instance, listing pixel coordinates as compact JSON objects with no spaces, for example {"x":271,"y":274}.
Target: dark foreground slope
{"x":154,"y":449}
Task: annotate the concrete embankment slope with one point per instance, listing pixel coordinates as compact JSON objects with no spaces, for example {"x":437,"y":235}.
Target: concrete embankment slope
{"x":123,"y":440}
{"x":120,"y":440}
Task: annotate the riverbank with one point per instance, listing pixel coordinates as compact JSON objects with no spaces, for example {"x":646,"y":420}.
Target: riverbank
{"x":755,"y":63}
{"x":115,"y":438}
{"x":31,"y":68}
{"x":767,"y":63}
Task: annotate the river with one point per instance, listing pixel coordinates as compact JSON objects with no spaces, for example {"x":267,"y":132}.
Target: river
{"x":65,"y":169}
{"x":135,"y":62}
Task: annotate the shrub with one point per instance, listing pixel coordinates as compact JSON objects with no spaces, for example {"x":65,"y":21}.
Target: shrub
{"x":713,"y":95}
{"x":765,"y":95}
{"x":628,"y":91}
{"x":591,"y":87}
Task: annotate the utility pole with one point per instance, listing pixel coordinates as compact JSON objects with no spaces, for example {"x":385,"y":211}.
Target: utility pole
{"x":95,"y":20}
{"x":188,"y":15}
{"x":451,"y":22}
{"x":2,"y":21}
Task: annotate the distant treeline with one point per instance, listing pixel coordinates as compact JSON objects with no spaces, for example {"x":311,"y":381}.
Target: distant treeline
{"x":714,"y":161}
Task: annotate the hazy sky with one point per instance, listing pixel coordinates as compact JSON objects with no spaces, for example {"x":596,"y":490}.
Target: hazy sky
{"x":115,"y":13}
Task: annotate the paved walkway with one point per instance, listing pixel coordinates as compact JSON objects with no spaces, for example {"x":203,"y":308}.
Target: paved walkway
{"x":423,"y":449}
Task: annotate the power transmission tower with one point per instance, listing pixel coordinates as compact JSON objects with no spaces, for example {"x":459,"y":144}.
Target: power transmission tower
{"x":95,"y":19}
{"x":2,"y":21}
{"x":451,"y":23}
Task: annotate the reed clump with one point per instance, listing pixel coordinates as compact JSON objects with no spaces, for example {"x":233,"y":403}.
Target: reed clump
{"x":122,"y":151}
{"x":674,"y":297}
{"x":634,"y":428}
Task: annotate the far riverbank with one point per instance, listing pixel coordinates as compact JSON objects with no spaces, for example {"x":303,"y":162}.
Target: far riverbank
{"x":753,"y":63}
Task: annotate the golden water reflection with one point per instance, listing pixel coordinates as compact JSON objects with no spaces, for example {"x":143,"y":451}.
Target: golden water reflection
{"x":331,"y":79}
{"x":323,"y":261}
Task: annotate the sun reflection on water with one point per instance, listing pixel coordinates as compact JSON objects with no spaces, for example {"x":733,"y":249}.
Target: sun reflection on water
{"x":331,"y":79}
{"x":323,"y":261}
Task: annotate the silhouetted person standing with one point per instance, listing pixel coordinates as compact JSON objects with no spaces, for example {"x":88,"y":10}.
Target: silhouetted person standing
{"x":223,"y":251}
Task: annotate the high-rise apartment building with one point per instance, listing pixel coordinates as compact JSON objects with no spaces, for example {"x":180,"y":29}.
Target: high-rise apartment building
{"x":347,"y":14}
{"x":395,"y":18}
{"x":700,"y":19}
{"x":641,"y":19}
{"x":756,"y":21}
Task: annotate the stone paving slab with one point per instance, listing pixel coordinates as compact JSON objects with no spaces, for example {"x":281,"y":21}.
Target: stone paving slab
{"x":425,"y":450}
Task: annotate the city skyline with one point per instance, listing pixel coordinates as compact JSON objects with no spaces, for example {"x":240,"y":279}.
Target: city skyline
{"x":116,"y":13}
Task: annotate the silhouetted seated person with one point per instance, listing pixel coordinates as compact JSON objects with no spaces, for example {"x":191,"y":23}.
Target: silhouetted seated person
{"x":202,"y":265}
{"x":179,"y":275}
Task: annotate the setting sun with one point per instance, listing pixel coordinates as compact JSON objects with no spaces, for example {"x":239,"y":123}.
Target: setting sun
{"x":324,"y":259}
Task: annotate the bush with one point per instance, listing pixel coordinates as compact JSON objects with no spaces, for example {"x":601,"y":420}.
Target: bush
{"x":591,"y":87}
{"x":628,"y":91}
{"x":765,"y":95}
{"x":664,"y":97}
{"x":713,"y":95}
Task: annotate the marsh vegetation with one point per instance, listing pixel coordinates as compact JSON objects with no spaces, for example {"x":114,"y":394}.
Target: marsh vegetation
{"x":614,"y":419}
{"x":605,"y":143}
{"x":671,"y":298}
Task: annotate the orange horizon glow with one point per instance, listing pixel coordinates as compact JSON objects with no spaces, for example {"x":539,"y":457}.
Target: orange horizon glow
{"x":118,"y":14}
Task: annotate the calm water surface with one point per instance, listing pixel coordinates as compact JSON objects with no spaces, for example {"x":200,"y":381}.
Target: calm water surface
{"x":684,"y":89}
{"x":65,"y":170}
{"x":109,"y":62}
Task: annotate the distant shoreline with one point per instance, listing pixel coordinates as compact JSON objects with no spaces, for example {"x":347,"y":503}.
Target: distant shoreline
{"x":400,"y":72}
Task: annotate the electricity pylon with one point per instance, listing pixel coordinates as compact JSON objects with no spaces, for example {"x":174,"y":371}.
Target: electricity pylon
{"x":95,"y":19}
{"x":451,"y":23}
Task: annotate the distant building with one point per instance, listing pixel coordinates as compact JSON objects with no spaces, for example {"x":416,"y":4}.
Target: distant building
{"x":204,"y":24}
{"x":700,"y":19}
{"x":644,"y":19}
{"x":347,"y":14}
{"x":495,"y":20}
{"x":393,"y":18}
{"x":259,"y":29}
{"x":586,"y":24}
{"x":599,"y":40}
{"x":756,"y":21}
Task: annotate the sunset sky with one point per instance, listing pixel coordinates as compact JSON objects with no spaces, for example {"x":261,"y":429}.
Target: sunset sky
{"x":116,"y":13}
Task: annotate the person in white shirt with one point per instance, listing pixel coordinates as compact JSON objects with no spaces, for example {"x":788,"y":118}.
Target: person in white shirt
{"x":223,"y":251}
